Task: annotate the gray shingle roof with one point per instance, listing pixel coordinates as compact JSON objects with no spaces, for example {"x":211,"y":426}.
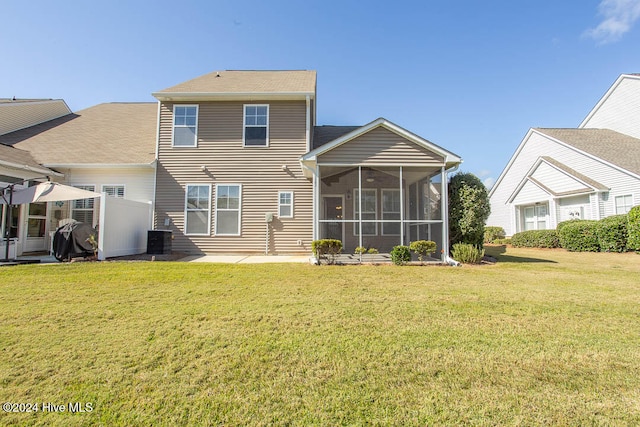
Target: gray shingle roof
{"x":327,"y":133}
{"x":246,"y":81}
{"x":613,"y":147}
{"x":18,"y":157}
{"x":115,"y":133}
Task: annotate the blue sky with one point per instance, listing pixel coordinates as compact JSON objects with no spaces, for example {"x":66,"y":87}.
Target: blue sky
{"x":471,"y":76}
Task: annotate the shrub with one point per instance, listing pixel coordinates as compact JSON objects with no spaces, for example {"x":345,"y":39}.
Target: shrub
{"x":633,"y":229}
{"x":469,"y":209}
{"x":400,"y":255}
{"x":326,"y":248}
{"x":373,"y":251}
{"x":467,"y":253}
{"x":612,"y":233}
{"x":502,"y":242}
{"x":579,"y":236}
{"x":360,"y":250}
{"x":536,"y":239}
{"x":423,"y":248}
{"x":491,"y":234}
{"x":563,"y":223}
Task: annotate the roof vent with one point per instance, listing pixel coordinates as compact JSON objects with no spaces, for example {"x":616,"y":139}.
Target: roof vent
{"x":217,"y":73}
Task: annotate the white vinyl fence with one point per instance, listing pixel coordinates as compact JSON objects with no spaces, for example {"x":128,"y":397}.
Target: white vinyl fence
{"x":123,"y":227}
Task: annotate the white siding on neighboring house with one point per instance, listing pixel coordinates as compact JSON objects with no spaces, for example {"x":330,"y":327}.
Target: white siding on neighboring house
{"x":137,"y":181}
{"x":557,"y":181}
{"x":530,"y":193}
{"x":577,"y":207}
{"x":536,"y":145}
{"x":619,"y":109}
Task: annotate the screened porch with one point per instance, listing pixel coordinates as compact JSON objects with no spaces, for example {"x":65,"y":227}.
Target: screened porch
{"x":381,"y":206}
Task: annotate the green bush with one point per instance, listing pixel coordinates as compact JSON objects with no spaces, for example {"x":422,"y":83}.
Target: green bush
{"x":502,"y":241}
{"x":326,"y":248}
{"x":579,"y":236}
{"x":423,"y":248}
{"x":469,"y":209}
{"x":467,"y":253}
{"x":563,"y":223}
{"x":633,"y":229}
{"x":612,"y":233}
{"x":400,"y":255}
{"x":536,"y":239}
{"x":360,"y":250}
{"x":492,"y":233}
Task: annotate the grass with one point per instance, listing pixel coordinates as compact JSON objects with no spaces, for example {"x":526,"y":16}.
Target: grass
{"x":542,"y":337}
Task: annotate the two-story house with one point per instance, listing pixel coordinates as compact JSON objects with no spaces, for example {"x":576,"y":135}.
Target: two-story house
{"x":588,"y":172}
{"x":243,"y":168}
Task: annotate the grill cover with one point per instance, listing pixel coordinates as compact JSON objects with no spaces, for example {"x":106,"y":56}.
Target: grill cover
{"x":72,"y":240}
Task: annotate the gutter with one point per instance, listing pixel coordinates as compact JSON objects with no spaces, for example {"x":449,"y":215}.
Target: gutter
{"x":150,"y":165}
{"x":30,"y":168}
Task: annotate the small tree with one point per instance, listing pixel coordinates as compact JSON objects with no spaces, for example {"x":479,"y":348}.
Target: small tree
{"x":423,"y":248}
{"x":469,"y":209}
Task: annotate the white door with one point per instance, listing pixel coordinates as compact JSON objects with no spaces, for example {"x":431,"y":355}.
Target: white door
{"x":535,"y":217}
{"x":36,"y":228}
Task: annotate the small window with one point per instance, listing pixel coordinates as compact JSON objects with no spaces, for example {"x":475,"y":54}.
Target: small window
{"x":285,"y":204}
{"x":114,"y":190}
{"x":369,"y":212}
{"x":82,"y":210}
{"x":228,"y":210}
{"x":624,"y":204}
{"x":256,"y":126}
{"x":391,"y":211}
{"x":185,"y":125}
{"x":198,"y":210}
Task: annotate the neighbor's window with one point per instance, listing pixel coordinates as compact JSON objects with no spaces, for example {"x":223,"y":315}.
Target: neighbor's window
{"x":228,"y":210}
{"x":623,"y":204}
{"x":391,"y":211}
{"x":198,"y":209}
{"x":82,"y":210}
{"x":114,"y":190}
{"x":256,"y":125}
{"x":285,"y":204}
{"x":185,"y":125}
{"x":369,"y":212}
{"x":535,"y":217}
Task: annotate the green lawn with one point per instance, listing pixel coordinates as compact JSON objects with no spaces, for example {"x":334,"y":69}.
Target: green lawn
{"x":542,"y":337}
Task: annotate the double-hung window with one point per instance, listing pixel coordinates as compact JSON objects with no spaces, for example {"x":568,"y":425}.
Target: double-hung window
{"x":114,"y":190}
{"x":256,"y":126}
{"x":285,"y":204}
{"x":228,"y":209}
{"x":185,"y":125}
{"x":82,"y":210}
{"x":391,"y":211}
{"x":198,"y":210}
{"x":369,"y":212}
{"x":624,"y":204}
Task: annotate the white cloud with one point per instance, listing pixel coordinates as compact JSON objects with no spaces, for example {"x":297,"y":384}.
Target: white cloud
{"x":483,"y":173}
{"x":619,"y":16}
{"x":488,"y":182}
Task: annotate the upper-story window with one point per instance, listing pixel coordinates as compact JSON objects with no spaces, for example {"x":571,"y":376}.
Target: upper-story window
{"x":624,"y":204}
{"x":256,"y":126}
{"x":185,"y":125}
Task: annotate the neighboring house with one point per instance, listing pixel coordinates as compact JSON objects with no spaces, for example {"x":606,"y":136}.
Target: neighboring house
{"x":16,"y":114}
{"x":243,"y":168}
{"x":107,"y":148}
{"x":586,"y":173}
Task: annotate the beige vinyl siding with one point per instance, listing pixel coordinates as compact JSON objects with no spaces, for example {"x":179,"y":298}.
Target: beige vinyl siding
{"x":258,"y":169}
{"x":19,"y":115}
{"x":381,"y":147}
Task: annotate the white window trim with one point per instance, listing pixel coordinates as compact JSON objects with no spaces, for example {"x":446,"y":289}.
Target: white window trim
{"x":186,"y":196}
{"x":173,"y":126}
{"x":124,"y":189}
{"x":615,"y":203}
{"x":356,"y":226}
{"x":244,"y":125}
{"x":72,"y":203}
{"x":382,"y":211}
{"x":536,"y":218}
{"x":239,"y":233}
{"x":279,"y":204}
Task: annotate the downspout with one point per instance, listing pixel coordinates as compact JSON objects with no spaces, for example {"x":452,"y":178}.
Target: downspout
{"x":445,"y":211}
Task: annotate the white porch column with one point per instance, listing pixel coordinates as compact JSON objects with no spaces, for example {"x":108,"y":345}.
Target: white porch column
{"x":402,"y":229}
{"x":359,"y":206}
{"x":317,"y":202}
{"x":444,"y":208}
